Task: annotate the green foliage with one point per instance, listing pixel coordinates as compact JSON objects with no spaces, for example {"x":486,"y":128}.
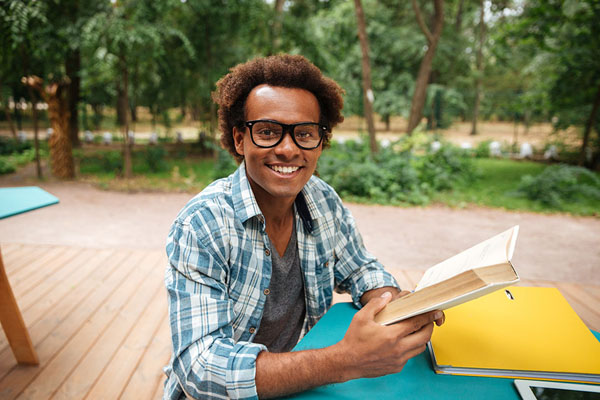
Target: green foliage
{"x":155,"y":157}
{"x":9,"y":146}
{"x":560,"y":184}
{"x":404,"y":172}
{"x":108,"y":162}
{"x":9,"y":163}
{"x":224,"y":165}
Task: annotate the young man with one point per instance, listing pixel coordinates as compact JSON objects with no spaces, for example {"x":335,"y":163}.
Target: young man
{"x":254,"y":257}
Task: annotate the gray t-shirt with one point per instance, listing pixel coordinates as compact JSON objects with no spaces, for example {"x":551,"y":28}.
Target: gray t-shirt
{"x":283,"y":316}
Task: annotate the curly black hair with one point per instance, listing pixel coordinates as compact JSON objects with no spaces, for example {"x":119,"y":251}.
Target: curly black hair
{"x":283,"y":70}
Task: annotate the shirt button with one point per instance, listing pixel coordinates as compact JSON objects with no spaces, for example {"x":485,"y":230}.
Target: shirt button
{"x":267,"y":252}
{"x":267,"y":291}
{"x":252,"y":330}
{"x":327,"y":264}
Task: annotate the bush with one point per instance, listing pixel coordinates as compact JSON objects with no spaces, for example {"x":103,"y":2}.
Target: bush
{"x":155,"y":157}
{"x":10,"y":163}
{"x":6,"y":167}
{"x":225,"y":164}
{"x":558,"y":184}
{"x":11,"y":146}
{"x":102,"y":161}
{"x":396,"y":174}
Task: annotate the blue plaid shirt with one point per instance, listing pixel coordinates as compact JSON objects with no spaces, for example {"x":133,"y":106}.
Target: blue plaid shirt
{"x":220,"y":265}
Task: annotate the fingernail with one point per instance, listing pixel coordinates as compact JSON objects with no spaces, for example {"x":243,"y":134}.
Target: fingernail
{"x":385,"y":295}
{"x":438,"y":315}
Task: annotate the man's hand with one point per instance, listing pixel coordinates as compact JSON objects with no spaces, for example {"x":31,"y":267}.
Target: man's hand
{"x":367,"y":350}
{"x":372,"y":350}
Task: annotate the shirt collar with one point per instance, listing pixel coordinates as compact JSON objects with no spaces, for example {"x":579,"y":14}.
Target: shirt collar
{"x":246,"y":207}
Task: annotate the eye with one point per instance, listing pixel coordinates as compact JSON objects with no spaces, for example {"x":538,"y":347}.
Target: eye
{"x":265,"y":132}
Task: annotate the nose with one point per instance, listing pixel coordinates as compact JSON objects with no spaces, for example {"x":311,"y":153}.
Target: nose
{"x":286,"y":148}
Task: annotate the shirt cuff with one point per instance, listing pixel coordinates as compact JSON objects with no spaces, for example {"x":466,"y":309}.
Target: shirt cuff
{"x":241,"y":370}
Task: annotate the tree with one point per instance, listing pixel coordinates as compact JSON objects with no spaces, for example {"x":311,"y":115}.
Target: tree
{"x":130,"y":32}
{"x":566,"y":37}
{"x":60,"y":143}
{"x":479,"y":78}
{"x":366,"y":75}
{"x":17,"y":20}
{"x":433,"y":37}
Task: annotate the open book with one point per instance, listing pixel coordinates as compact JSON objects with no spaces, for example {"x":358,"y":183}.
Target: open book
{"x":482,"y":269}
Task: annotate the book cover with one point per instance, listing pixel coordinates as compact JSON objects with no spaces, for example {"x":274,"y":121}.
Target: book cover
{"x":525,"y":332}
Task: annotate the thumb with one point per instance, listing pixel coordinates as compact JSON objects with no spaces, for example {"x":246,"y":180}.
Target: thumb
{"x":377,"y":304}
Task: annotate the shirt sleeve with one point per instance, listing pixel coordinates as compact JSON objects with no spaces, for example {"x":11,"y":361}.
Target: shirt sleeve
{"x":356,"y":270}
{"x":207,"y":361}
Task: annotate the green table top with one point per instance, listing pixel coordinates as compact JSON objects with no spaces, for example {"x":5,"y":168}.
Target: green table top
{"x":416,"y":381}
{"x":17,"y":200}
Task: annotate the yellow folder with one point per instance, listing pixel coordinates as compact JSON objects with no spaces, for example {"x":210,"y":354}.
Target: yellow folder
{"x":525,"y":332}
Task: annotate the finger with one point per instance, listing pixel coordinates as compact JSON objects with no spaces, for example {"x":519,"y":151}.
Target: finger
{"x":417,"y":339}
{"x":413,"y":352}
{"x":440,"y":321}
{"x":375,"y":305}
{"x":415,"y":323}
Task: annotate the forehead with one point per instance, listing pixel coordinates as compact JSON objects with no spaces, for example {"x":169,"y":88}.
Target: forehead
{"x":287,"y":105}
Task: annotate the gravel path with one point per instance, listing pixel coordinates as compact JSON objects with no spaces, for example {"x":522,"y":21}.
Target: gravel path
{"x":552,"y":247}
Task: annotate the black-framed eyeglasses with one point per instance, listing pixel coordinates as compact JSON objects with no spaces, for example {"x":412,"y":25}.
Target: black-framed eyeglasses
{"x":266,"y":133}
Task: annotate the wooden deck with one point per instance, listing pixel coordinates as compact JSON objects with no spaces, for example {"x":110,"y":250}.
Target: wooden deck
{"x":98,"y":321}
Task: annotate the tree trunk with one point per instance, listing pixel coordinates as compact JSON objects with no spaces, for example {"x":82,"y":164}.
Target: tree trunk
{"x":17,"y":111}
{"x":386,"y":120}
{"x":366,"y":75}
{"x":277,"y":25}
{"x":588,"y":127}
{"x":61,"y":153}
{"x":7,"y":114}
{"x":36,"y":141}
{"x":122,"y":107}
{"x":72,"y":69}
{"x":418,"y":100}
{"x":459,"y":15}
{"x":479,"y":61}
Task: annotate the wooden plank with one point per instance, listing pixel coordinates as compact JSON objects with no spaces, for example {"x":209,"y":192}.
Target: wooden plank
{"x":158,"y":393}
{"x":413,"y":276}
{"x":44,"y":305}
{"x":43,"y":269}
{"x":12,"y":323}
{"x":24,"y":257}
{"x":117,"y":373}
{"x":63,"y":315}
{"x":404,"y":280}
{"x":93,"y":310}
{"x":593,"y":291}
{"x":584,"y":305}
{"x":38,"y":289}
{"x":148,"y":376}
{"x":125,"y":302}
{"x":9,"y":250}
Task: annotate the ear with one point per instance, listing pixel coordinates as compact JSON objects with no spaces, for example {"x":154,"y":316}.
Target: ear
{"x":238,"y":140}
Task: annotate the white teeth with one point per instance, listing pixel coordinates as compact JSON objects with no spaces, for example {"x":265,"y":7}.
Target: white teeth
{"x":283,"y":170}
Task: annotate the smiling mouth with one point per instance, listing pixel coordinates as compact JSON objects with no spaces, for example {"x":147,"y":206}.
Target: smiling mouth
{"x":283,"y":170}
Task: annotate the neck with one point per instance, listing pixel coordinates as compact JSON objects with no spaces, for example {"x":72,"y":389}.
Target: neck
{"x":276,"y":210}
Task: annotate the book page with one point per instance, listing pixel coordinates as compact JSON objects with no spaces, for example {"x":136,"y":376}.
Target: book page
{"x":496,"y":250}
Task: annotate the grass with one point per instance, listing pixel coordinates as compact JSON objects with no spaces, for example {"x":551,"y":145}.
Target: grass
{"x":498,"y":179}
{"x":186,"y":174}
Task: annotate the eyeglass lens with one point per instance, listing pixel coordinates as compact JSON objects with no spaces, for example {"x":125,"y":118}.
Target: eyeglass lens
{"x":269,"y":133}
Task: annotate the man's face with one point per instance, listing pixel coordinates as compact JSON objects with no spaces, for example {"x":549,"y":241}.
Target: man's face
{"x":279,"y":172}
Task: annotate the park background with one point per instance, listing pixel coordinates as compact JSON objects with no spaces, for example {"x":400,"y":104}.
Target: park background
{"x":463,"y":118}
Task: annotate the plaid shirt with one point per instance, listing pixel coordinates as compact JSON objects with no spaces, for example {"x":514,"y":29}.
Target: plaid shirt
{"x":220,"y":265}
